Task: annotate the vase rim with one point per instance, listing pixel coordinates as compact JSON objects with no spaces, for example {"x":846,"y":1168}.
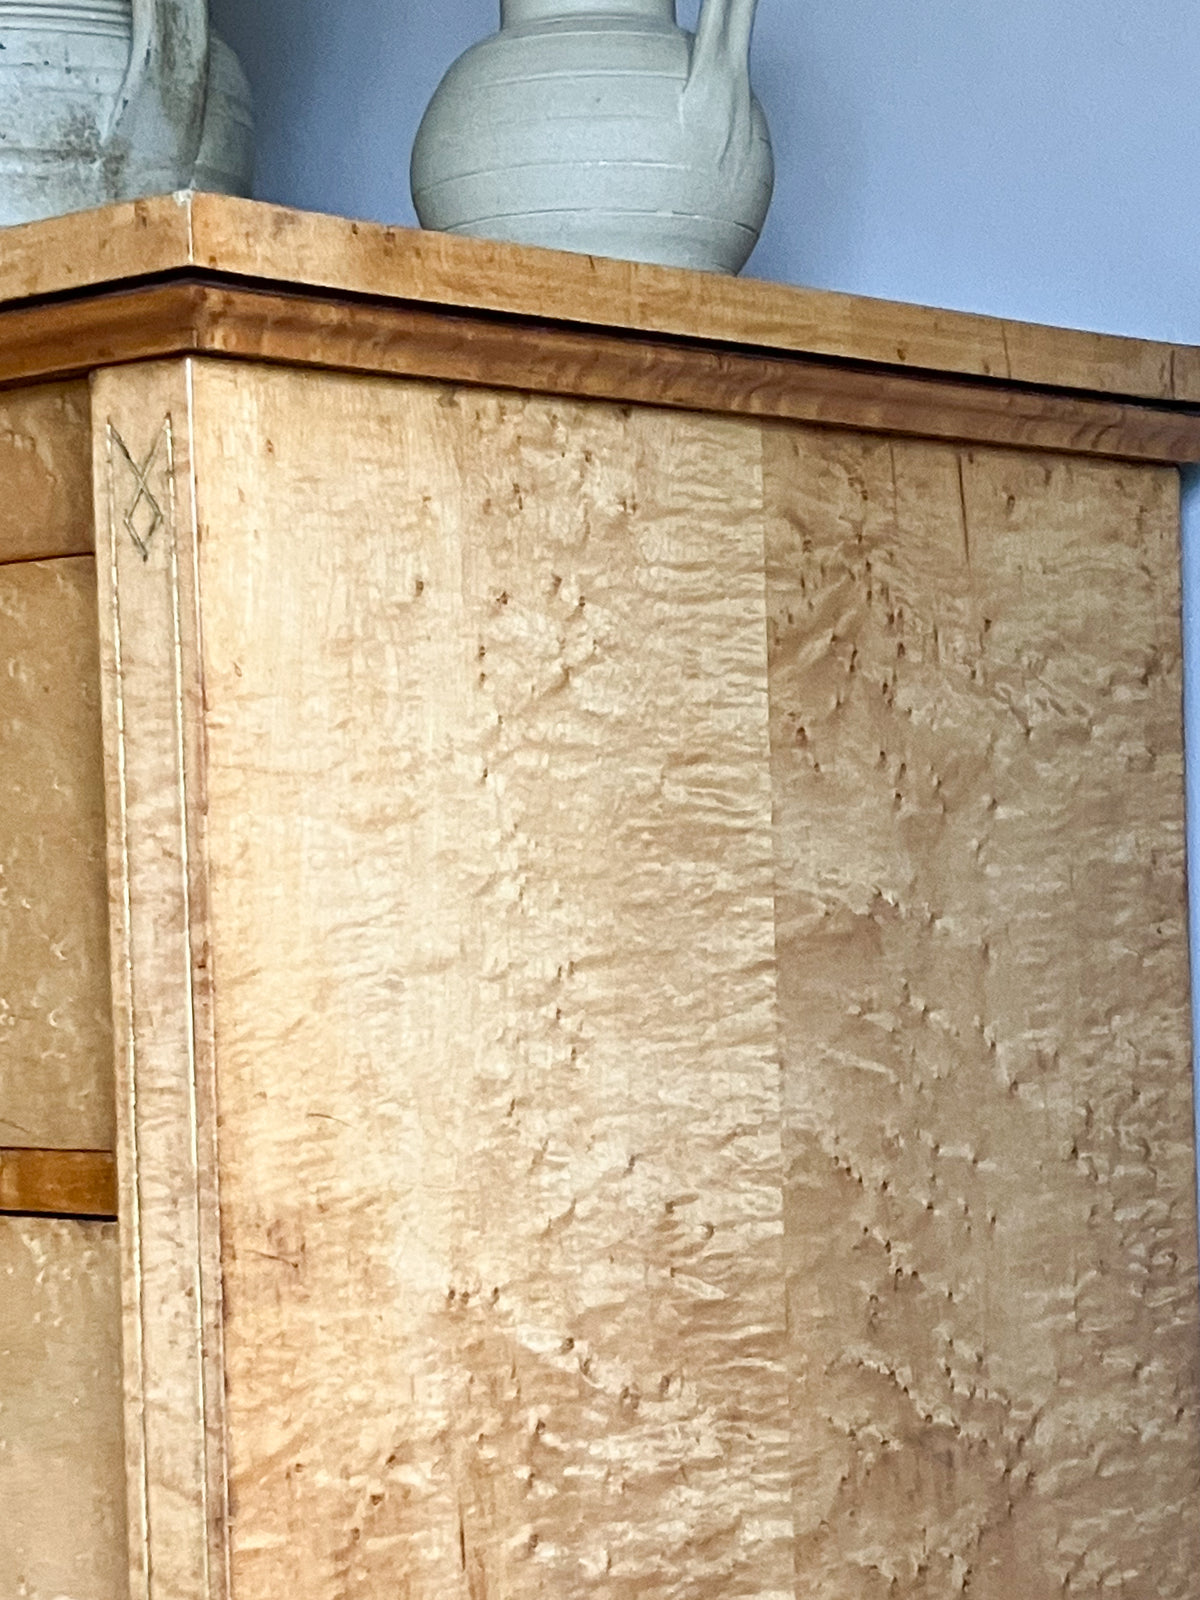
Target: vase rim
{"x":68,"y":16}
{"x":78,"y":8}
{"x":515,"y":13}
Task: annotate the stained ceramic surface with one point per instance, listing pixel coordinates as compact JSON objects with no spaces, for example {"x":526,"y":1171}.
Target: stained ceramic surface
{"x":79,"y":127}
{"x":601,"y":126}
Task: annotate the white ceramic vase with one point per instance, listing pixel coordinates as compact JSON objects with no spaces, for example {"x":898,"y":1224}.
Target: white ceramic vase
{"x":600,"y":126}
{"x":108,"y":99}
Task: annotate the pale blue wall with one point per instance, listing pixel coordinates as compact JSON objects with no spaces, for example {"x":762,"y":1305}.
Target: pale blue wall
{"x":1031,"y":158}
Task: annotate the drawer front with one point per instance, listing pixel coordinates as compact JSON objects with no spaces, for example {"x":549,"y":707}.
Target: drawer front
{"x":55,"y":1011}
{"x":62,"y":1485}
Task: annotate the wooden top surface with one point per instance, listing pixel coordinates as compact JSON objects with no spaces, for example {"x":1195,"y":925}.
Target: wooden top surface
{"x":246,"y":240}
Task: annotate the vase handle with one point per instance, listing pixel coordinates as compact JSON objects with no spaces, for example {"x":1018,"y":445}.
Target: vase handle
{"x":717,"y":101}
{"x":723,"y":36}
{"x":154,"y":138}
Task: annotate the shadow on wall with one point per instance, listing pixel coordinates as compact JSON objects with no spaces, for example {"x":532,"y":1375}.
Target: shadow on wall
{"x":340,"y":90}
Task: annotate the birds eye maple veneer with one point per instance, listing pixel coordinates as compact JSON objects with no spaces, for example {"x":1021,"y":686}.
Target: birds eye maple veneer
{"x":620,"y":837}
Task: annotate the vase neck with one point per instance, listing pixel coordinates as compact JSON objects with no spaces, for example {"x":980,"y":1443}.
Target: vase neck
{"x":514,"y":13}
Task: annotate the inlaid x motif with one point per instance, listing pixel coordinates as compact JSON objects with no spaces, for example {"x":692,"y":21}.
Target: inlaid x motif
{"x":144,"y":514}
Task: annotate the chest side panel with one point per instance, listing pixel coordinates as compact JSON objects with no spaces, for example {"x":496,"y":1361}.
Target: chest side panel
{"x":976,"y":726}
{"x":492,"y":908}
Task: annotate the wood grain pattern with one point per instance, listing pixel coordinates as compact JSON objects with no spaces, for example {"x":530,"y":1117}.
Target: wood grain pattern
{"x":364,"y":258}
{"x":492,"y":915}
{"x":174,"y":1418}
{"x":46,"y":472}
{"x":133,"y":239}
{"x":58,"y":1183}
{"x":991,"y":1237}
{"x":56,"y":1081}
{"x":417,"y":342}
{"x":247,"y":239}
{"x":61,"y":1495}
{"x":406,"y":341}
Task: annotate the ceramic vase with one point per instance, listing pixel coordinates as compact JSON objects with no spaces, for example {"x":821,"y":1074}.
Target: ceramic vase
{"x":108,"y":99}
{"x":601,"y":126}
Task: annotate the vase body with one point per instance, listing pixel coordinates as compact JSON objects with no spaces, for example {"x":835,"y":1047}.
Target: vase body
{"x":599,"y":127}
{"x":63,"y":68}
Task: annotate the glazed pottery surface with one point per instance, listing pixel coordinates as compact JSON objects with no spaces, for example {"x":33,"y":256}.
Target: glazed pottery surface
{"x":601,"y":126}
{"x":108,"y":99}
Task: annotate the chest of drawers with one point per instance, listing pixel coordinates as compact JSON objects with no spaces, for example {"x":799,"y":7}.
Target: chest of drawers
{"x":604,"y":848}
